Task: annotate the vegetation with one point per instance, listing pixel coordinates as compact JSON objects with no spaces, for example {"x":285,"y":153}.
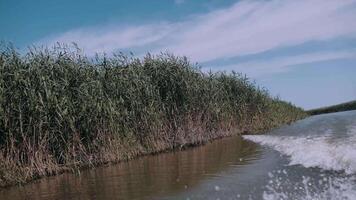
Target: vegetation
{"x":60,"y":110}
{"x":351,"y":105}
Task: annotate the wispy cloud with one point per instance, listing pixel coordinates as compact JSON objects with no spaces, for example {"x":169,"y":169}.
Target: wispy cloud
{"x":256,"y":69}
{"x":108,"y":39}
{"x":255,"y":26}
{"x":245,"y":28}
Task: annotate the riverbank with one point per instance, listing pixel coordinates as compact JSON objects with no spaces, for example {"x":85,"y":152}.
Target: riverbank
{"x":226,"y":168}
{"x":61,"y":111}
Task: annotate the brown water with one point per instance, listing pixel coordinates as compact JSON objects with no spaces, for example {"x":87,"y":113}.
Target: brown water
{"x":144,"y":178}
{"x":313,"y":158}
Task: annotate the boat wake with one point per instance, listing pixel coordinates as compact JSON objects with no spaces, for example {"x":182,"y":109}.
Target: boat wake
{"x":326,"y":152}
{"x":322,"y":152}
{"x":333,"y":188}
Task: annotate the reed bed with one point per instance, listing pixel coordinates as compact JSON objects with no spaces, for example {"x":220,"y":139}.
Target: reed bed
{"x":62,"y":111}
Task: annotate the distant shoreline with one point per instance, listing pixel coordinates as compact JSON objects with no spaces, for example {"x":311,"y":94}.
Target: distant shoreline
{"x":351,"y":105}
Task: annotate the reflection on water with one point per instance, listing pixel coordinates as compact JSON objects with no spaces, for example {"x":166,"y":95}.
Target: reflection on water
{"x":147,"y":177}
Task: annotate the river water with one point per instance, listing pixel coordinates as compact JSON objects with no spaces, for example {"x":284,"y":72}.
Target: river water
{"x":314,"y":158}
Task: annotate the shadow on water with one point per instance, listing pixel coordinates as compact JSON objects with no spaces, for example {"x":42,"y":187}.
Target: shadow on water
{"x":146,"y":177}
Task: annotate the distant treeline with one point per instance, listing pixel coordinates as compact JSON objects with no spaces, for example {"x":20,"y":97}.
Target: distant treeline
{"x":60,"y":110}
{"x":335,"y":108}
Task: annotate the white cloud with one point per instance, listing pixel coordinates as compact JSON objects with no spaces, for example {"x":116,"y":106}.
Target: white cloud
{"x":258,"y":68}
{"x":245,"y":28}
{"x":254,"y":27}
{"x":98,"y":39}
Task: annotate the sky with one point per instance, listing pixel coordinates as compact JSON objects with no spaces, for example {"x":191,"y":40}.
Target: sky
{"x":302,"y":51}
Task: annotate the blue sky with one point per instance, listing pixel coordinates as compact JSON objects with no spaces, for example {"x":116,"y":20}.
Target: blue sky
{"x":303,"y":51}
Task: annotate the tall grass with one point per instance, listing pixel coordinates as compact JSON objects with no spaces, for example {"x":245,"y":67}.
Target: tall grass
{"x":60,"y":110}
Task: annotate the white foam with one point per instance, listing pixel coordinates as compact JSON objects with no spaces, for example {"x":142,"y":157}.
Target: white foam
{"x":314,"y":151}
{"x":330,"y":188}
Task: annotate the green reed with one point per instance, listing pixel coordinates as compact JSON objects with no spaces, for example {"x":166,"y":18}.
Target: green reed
{"x":60,"y":109}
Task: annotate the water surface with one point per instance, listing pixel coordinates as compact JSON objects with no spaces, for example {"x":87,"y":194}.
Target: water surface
{"x":314,"y":158}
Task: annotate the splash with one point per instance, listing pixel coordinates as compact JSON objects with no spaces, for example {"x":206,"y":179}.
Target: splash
{"x":335,"y":188}
{"x":322,"y":151}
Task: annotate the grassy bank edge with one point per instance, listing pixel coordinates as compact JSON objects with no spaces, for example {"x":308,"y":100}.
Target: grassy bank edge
{"x":19,"y":179}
